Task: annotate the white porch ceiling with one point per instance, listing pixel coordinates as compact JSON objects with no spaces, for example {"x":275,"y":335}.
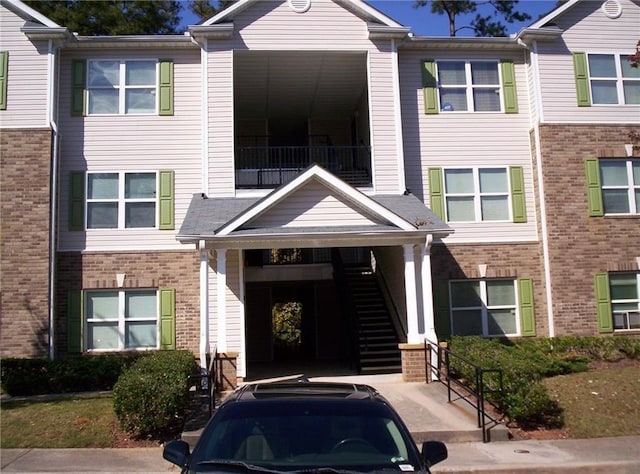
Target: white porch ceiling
{"x":297,"y":84}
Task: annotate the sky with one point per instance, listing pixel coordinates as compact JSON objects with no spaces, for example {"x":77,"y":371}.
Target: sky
{"x":423,"y":22}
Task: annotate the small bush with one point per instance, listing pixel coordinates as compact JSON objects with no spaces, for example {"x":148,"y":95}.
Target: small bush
{"x":151,"y":397}
{"x":66,"y":375}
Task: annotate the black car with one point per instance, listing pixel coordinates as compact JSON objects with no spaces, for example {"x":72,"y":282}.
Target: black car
{"x":305,"y":427}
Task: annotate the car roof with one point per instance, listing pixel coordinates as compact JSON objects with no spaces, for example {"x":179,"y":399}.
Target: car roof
{"x":301,"y":387}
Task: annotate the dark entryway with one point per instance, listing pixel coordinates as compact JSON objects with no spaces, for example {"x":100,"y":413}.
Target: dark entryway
{"x":294,"y":324}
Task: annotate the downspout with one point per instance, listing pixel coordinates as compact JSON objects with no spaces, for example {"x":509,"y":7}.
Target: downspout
{"x":204,"y":255}
{"x":204,"y":303}
{"x":541,"y":192}
{"x":52,"y":59}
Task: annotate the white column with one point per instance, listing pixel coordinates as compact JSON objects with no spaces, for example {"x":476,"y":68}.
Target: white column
{"x":413,"y":336}
{"x":204,"y":304}
{"x":221,"y":284}
{"x":427,"y":292}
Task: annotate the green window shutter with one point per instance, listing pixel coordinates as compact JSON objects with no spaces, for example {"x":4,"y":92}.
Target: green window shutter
{"x":166,"y":200}
{"x":78,"y":87}
{"x":75,"y":321}
{"x":582,"y":79}
{"x":76,"y":201}
{"x":436,"y":192}
{"x":527,"y":315}
{"x":165,"y":106}
{"x":442,"y":311}
{"x":167,"y":319}
{"x":517,"y":194}
{"x":603,"y":303}
{"x":4,"y":78}
{"x":509,"y":92}
{"x":430,"y":87}
{"x":594,"y":192}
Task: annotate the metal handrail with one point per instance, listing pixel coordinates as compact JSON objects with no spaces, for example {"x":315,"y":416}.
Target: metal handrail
{"x":206,"y":382}
{"x":474,"y":395}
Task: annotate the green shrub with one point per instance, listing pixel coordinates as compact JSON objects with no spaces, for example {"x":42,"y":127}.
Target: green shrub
{"x":151,"y":397}
{"x":525,"y":362}
{"x":65,"y":375}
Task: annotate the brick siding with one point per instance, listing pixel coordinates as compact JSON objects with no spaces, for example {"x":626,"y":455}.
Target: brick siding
{"x":460,"y":261}
{"x":179,"y":270}
{"x":579,"y":245}
{"x":25,"y":161}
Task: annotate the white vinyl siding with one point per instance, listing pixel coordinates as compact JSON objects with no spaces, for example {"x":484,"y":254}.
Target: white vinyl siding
{"x":27,"y":105}
{"x":220,"y":103}
{"x":467,"y":140}
{"x":130,"y":144}
{"x":558,"y":88}
{"x":313,"y":206}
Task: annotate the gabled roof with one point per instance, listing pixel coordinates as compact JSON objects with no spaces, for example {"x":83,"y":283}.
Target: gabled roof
{"x":367,"y":11}
{"x":227,"y":217}
{"x":28,"y":13}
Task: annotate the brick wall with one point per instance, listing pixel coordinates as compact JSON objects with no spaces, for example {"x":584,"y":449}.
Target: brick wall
{"x":579,"y":245}
{"x":25,"y":157}
{"x":518,"y":260}
{"x":179,"y":270}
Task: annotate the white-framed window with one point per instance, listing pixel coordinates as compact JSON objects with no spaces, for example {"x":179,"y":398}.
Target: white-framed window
{"x":612,"y":79}
{"x":477,"y":194}
{"x":121,"y":200}
{"x":469,"y":86}
{"x":625,"y":300}
{"x":119,"y":87}
{"x":121,"y":319}
{"x":620,"y":182}
{"x":484,"y":308}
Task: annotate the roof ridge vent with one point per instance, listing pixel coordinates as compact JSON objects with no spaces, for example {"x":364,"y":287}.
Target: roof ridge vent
{"x":612,"y":8}
{"x":299,"y":6}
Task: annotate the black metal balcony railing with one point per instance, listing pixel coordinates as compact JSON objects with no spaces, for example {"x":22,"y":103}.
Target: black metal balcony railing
{"x":271,"y":166}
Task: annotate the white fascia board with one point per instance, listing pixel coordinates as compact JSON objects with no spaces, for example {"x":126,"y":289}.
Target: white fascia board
{"x":554,"y":14}
{"x":30,"y":12}
{"x":375,"y":13}
{"x":234,"y":8}
{"x":330,"y":181}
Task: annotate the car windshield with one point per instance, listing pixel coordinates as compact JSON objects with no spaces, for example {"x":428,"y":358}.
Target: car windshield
{"x":304,"y":435}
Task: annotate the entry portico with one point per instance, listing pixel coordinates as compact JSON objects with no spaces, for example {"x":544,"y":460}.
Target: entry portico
{"x":315,"y":210}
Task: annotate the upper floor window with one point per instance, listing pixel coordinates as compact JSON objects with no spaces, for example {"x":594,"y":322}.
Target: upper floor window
{"x":476,"y":194}
{"x":469,"y":86}
{"x":613,"y":80}
{"x":122,"y":87}
{"x":121,"y":200}
{"x":620,"y":186}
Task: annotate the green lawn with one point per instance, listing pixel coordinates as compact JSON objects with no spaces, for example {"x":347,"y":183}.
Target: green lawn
{"x":65,"y":423}
{"x":599,"y":403}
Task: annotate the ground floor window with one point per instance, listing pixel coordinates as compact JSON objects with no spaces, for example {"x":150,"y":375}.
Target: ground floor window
{"x":121,"y":319}
{"x":625,"y":300}
{"x":484,"y":307}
